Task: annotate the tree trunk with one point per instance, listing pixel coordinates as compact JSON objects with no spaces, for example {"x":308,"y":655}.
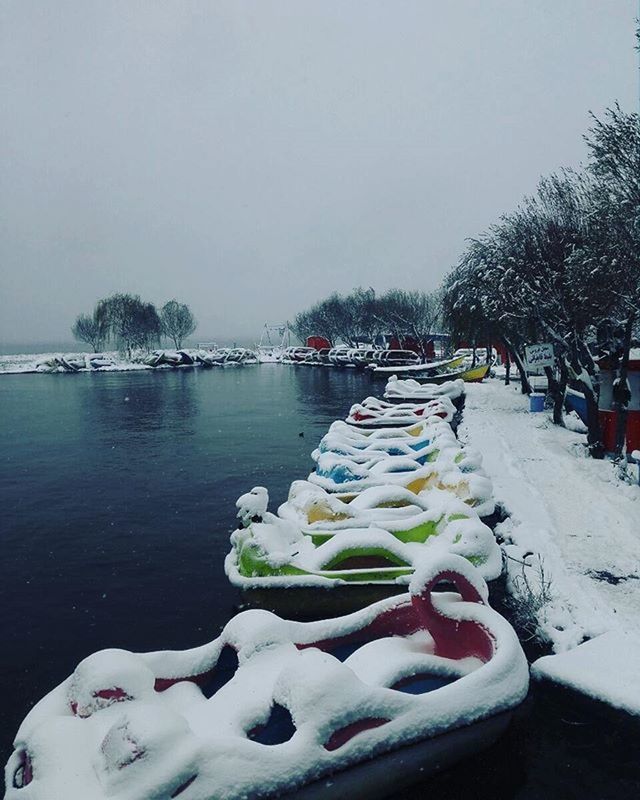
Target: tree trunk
{"x":507,"y":371}
{"x":563,"y":381}
{"x":594,"y":433}
{"x":525,"y":384}
{"x":590,"y":391}
{"x":621,"y":392}
{"x":557,"y":394}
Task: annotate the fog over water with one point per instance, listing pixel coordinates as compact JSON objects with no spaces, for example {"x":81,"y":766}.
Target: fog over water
{"x":249,"y":158}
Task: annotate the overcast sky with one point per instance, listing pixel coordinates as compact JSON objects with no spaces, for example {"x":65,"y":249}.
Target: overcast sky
{"x":250,"y":157}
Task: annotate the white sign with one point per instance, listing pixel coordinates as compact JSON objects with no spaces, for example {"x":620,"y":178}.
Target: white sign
{"x":539,"y":355}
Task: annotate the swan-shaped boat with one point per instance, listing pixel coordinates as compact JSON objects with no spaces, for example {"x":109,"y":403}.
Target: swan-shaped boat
{"x":272,"y":706}
{"x":374,"y":413}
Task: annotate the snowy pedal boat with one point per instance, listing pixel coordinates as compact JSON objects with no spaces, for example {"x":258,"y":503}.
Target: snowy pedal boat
{"x":273,"y":707}
{"x":314,"y":508}
{"x":337,"y":474}
{"x":354,"y":472}
{"x":277,"y":553}
{"x":413,"y":434}
{"x":374,"y":413}
{"x":409,"y":390}
{"x":420,"y":447}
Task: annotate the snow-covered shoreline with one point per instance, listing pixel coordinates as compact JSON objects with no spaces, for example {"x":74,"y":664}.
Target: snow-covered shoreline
{"x":572,"y":539}
{"x":25,"y":363}
{"x":114,"y":361}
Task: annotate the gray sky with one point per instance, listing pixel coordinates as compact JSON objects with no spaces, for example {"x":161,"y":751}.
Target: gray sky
{"x":250,"y":157}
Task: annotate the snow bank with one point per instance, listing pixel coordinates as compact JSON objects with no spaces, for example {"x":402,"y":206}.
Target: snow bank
{"x":604,"y":668}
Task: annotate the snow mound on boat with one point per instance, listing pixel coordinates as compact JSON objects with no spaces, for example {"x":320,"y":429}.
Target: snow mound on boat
{"x":414,"y":391}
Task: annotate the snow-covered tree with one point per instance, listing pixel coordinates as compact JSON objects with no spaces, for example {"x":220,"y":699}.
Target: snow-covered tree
{"x":614,"y":164}
{"x":564,"y":267}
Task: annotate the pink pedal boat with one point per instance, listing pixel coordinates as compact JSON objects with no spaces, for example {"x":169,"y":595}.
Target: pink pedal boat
{"x":351,"y":707}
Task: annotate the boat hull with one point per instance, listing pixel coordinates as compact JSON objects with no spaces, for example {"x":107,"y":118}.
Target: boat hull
{"x":474,"y":375}
{"x":417,"y":370}
{"x":314,"y":602}
{"x":400,"y":769}
{"x":320,"y":602}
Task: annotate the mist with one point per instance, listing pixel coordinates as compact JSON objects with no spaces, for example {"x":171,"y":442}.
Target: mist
{"x":249,"y":158}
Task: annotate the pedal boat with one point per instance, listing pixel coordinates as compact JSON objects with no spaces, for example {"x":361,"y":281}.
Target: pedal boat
{"x":409,"y":390}
{"x":279,"y":553}
{"x":374,"y":413}
{"x":361,"y":448}
{"x":312,"y":504}
{"x":340,"y":475}
{"x":271,"y":708}
{"x":337,"y":472}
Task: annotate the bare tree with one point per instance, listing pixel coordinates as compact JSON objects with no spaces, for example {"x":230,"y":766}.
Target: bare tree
{"x":90,"y":329}
{"x":411,"y":315}
{"x":132,"y":322}
{"x":177,"y":321}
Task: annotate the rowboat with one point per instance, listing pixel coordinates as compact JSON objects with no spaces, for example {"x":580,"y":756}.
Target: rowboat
{"x":470,"y":375}
{"x":273,"y":707}
{"x":431,"y":368}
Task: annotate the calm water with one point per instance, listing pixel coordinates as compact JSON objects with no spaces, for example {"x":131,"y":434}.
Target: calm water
{"x":118,"y":493}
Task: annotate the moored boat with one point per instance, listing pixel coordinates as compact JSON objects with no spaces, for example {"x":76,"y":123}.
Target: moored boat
{"x":436,"y":436}
{"x":271,"y":706}
{"x":415,"y":368}
{"x":374,"y":413}
{"x":469,"y":375}
{"x":409,"y":390}
{"x":277,"y":553}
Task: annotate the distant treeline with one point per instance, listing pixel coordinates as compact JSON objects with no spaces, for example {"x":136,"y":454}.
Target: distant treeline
{"x":362,"y":317}
{"x":130,"y":323}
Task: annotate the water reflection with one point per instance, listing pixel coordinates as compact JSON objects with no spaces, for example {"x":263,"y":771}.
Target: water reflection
{"x":153,"y":402}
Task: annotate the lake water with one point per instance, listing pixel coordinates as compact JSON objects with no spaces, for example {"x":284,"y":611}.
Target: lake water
{"x":118,"y":497}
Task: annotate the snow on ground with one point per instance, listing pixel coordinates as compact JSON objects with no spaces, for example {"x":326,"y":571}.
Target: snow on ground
{"x":564,"y":506}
